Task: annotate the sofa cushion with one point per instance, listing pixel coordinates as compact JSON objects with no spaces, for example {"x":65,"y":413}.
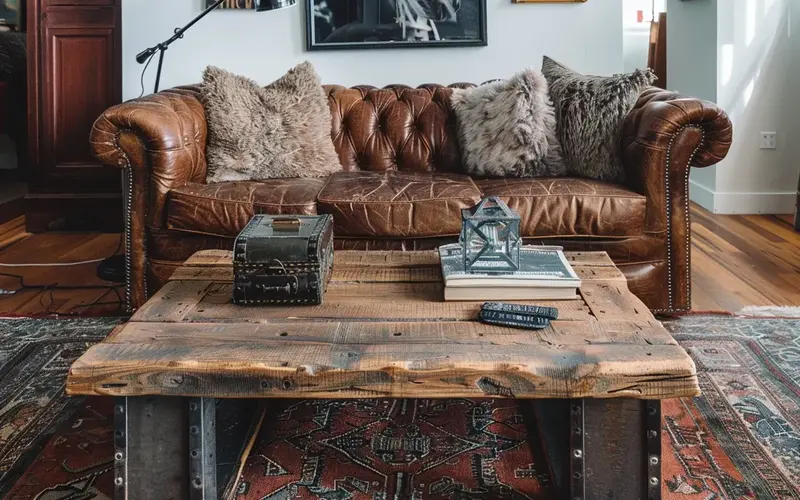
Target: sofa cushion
{"x":395,"y":204}
{"x":225,"y":209}
{"x":571,"y":207}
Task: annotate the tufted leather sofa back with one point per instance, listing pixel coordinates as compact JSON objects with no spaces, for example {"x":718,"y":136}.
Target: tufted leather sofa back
{"x":396,"y":128}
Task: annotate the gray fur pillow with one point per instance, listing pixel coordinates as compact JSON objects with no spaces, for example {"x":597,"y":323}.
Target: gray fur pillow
{"x":590,"y":111}
{"x":507,"y":128}
{"x":255,"y":133}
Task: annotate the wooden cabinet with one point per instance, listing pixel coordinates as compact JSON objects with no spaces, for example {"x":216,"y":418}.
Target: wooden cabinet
{"x":74,"y":74}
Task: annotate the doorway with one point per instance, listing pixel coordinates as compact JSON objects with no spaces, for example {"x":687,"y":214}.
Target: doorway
{"x":644,"y":37}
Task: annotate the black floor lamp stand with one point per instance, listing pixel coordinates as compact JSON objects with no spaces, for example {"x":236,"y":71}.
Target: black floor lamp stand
{"x":113,"y":268}
{"x":147,"y":54}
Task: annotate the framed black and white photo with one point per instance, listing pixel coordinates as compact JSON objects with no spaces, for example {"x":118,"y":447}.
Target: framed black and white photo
{"x":371,"y":24}
{"x":234,"y":4}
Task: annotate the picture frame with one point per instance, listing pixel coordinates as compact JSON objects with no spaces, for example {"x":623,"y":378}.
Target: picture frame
{"x":395,"y":24}
{"x":234,"y":4}
{"x":11,"y":13}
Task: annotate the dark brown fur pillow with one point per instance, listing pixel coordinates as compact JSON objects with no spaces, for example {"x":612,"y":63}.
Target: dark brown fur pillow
{"x":590,"y":111}
{"x":255,"y":133}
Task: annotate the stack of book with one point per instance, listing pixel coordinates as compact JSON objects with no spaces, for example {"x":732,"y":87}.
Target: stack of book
{"x":544,"y":274}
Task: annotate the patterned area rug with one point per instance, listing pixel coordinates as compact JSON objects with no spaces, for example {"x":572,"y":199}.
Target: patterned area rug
{"x":739,"y":440}
{"x":398,"y":449}
{"x":35,"y":355}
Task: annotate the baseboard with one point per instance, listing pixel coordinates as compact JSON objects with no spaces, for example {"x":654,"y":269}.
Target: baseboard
{"x":743,"y":203}
{"x":12,"y":200}
{"x":89,"y":212}
{"x":701,"y":195}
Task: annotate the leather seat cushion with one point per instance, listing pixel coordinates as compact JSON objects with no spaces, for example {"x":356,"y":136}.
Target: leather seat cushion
{"x":567,"y":207}
{"x":396,"y":204}
{"x":225,"y":209}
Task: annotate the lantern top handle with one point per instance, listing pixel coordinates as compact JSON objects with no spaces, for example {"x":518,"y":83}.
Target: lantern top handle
{"x":491,"y":207}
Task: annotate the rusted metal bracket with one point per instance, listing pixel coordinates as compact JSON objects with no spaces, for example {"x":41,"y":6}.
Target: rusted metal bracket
{"x":577,"y":450}
{"x":202,"y":449}
{"x":120,"y":447}
{"x":652,"y":426}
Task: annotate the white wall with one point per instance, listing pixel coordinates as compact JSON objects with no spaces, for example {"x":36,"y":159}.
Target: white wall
{"x":760,"y":89}
{"x":750,"y":65}
{"x":692,"y":70}
{"x":263,"y":46}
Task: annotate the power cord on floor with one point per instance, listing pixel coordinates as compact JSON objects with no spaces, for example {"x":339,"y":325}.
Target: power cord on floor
{"x":54,"y":264}
{"x":67,"y":264}
{"x":47,"y":290}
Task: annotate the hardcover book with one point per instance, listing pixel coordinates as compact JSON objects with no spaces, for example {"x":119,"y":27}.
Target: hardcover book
{"x":545,"y":274}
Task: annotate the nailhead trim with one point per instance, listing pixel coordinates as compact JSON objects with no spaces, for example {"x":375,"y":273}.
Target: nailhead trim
{"x":128,"y":237}
{"x":687,"y":215}
{"x":128,"y":172}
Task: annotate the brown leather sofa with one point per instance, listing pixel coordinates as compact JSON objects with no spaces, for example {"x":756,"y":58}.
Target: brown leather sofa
{"x":400,"y":188}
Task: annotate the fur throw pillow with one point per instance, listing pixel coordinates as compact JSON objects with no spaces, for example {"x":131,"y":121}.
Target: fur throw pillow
{"x":507,"y":128}
{"x":590,"y":112}
{"x":254,"y":133}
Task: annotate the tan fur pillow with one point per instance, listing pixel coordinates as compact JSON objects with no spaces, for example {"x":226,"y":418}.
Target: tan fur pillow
{"x":507,"y":128}
{"x":255,"y":133}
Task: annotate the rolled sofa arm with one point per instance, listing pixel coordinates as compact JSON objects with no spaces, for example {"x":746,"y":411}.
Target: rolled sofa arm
{"x":162,"y":135}
{"x":160,"y":142}
{"x":659,"y":116}
{"x":662,"y":138}
{"x":669,"y":133}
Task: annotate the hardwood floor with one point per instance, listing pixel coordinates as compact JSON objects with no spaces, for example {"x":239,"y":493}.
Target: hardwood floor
{"x":18,"y":247}
{"x":736,"y":261}
{"x":742,"y":260}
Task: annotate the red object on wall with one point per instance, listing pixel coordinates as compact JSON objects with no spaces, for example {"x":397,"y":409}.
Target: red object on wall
{"x":639,"y":16}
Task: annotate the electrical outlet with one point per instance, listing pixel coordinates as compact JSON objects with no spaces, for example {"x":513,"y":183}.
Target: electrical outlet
{"x":769,"y":140}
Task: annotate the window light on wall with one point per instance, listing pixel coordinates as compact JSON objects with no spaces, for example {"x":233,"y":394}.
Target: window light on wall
{"x":640,"y":13}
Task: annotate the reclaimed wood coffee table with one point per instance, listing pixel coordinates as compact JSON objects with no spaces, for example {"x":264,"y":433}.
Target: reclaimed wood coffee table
{"x":596,"y":377}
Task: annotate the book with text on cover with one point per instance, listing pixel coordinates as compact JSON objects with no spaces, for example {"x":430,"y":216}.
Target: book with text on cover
{"x":545,"y":274}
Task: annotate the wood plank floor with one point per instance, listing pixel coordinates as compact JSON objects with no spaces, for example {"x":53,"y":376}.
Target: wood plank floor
{"x":18,"y":247}
{"x":743,"y":260}
{"x":736,"y":261}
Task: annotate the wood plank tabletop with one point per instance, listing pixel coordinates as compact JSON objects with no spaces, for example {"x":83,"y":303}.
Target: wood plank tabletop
{"x":384,"y":331}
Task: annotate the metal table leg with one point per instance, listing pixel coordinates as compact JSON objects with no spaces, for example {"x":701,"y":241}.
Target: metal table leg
{"x":165,"y":449}
{"x":611,"y":449}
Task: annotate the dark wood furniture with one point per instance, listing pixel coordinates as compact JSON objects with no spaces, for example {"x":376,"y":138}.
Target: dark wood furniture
{"x":597,"y":375}
{"x":74,"y":74}
{"x":657,"y":56}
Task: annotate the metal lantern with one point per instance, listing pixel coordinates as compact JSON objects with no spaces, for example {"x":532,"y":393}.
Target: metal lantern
{"x":490,"y":237}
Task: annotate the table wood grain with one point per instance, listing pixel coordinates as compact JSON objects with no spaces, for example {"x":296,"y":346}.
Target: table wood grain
{"x":384,"y":331}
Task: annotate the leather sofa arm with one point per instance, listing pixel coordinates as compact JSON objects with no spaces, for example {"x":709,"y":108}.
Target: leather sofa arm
{"x":160,"y":143}
{"x":663,"y":137}
{"x":660,"y":117}
{"x":161,"y":139}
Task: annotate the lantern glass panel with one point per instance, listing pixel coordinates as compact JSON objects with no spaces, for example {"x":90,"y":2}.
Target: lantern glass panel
{"x":490,"y":237}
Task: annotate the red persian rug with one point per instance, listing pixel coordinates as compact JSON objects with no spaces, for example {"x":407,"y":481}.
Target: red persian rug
{"x":404,"y":449}
{"x":739,"y":440}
